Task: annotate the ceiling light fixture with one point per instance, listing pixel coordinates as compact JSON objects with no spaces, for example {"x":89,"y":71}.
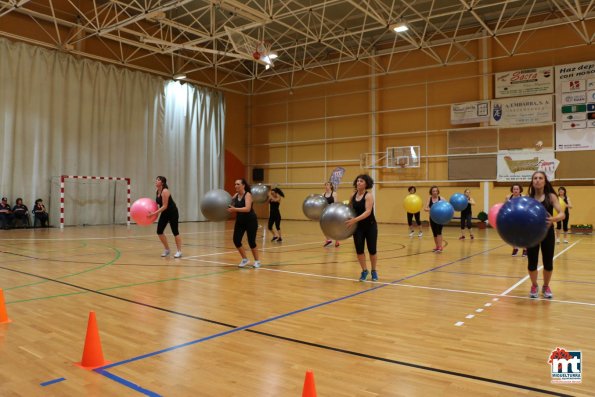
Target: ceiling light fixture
{"x":179,"y":76}
{"x":400,"y":27}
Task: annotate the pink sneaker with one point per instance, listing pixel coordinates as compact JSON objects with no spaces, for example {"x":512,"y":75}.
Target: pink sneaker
{"x":534,"y":292}
{"x":547,"y":292}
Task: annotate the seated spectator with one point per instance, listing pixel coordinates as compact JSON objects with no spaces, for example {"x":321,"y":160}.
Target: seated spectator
{"x":20,"y":213}
{"x":5,"y":214}
{"x":40,"y":213}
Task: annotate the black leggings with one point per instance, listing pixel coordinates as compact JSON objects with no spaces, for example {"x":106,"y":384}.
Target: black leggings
{"x":547,"y":252}
{"x":564,"y":222}
{"x":465,"y":220}
{"x":249,"y":227}
{"x":164,"y":219}
{"x":410,"y":219}
{"x":275,"y":219}
{"x":367,"y":235}
{"x":436,"y":228}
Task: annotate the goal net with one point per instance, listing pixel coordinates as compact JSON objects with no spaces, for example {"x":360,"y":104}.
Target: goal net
{"x":91,"y":200}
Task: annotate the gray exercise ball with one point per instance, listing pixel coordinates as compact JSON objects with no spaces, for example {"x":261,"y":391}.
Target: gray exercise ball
{"x":313,"y":206}
{"x":260,"y":193}
{"x":332,"y":221}
{"x":214,"y":205}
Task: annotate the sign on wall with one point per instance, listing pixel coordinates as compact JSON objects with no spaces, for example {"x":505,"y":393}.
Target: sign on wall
{"x":519,"y":165}
{"x":536,"y":109}
{"x":575,"y":106}
{"x":524,"y":82}
{"x":470,"y":112}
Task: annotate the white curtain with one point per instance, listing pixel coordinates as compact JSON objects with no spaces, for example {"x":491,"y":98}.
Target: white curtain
{"x":60,"y":115}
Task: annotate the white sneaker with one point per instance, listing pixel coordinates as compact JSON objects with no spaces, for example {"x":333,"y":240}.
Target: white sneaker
{"x":165,"y":253}
{"x":565,"y":241}
{"x":557,"y":241}
{"x":244,"y":262}
{"x":411,"y":233}
{"x":256,"y":264}
{"x":420,"y":234}
{"x":178,"y":254}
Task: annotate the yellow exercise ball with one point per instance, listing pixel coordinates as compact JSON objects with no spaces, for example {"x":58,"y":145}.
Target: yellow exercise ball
{"x":412,"y":203}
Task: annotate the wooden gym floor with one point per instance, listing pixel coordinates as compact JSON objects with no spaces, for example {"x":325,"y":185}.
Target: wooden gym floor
{"x":454,"y":324}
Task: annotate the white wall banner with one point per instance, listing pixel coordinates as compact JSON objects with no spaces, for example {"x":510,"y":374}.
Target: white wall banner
{"x":524,"y":82}
{"x":521,"y":111}
{"x":519,"y":165}
{"x":470,"y":112}
{"x":575,"y":106}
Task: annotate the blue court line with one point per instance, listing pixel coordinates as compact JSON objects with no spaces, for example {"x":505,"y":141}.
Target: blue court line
{"x":102,"y":370}
{"x":129,"y":384}
{"x":51,"y":382}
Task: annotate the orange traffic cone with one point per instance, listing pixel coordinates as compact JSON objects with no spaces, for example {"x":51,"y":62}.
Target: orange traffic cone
{"x":309,"y":386}
{"x":3,"y":314}
{"x":92,"y":353}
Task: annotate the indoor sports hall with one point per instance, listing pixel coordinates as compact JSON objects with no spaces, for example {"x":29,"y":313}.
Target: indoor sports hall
{"x":284,"y":111}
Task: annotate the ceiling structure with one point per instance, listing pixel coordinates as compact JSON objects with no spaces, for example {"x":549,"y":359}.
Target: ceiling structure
{"x":320,"y":38}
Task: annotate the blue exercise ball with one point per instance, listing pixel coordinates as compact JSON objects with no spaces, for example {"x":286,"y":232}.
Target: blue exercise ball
{"x":522,"y":222}
{"x":442,"y":212}
{"x":458,"y":201}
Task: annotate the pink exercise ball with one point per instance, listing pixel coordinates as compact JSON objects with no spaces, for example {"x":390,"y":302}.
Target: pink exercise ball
{"x":493,"y":214}
{"x":140,"y":210}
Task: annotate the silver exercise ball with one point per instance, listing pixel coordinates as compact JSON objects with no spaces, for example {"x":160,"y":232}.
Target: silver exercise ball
{"x":260,"y":193}
{"x":332,"y":221}
{"x":214,"y":205}
{"x":313,"y":206}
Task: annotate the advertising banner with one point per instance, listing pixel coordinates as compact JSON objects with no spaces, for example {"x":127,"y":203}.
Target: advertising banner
{"x":536,"y":109}
{"x":470,"y":112}
{"x":524,"y":82}
{"x":575,"y":106}
{"x":519,"y":165}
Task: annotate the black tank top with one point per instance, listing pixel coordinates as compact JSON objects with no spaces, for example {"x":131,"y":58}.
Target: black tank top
{"x":171,"y":205}
{"x":360,"y":207}
{"x":274,"y":207}
{"x":330,"y":199}
{"x":432,"y":203}
{"x":237,"y":203}
{"x":467,"y":210}
{"x":548,"y":207}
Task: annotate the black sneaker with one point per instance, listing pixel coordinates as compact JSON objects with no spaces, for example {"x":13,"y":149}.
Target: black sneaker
{"x":279,"y":240}
{"x":274,"y":239}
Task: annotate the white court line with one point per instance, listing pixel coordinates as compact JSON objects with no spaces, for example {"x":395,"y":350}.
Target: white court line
{"x":521,"y":281}
{"x":458,"y":291}
{"x":235,"y":251}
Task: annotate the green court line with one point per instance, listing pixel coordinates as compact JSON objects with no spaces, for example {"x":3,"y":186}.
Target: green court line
{"x":121,"y":286}
{"x":118,"y":255}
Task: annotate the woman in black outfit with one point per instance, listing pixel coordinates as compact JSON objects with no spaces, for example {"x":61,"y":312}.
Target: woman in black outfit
{"x":168,"y":214}
{"x":246,"y":221}
{"x":367,"y":228}
{"x":331,"y":197}
{"x":541,"y":190}
{"x":275,"y":213}
{"x":467,"y":216}
{"x":417,"y":216}
{"x":436,"y":227}
{"x":40,"y":213}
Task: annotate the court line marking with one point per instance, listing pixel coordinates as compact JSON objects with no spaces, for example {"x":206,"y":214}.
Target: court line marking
{"x":395,"y":284}
{"x":521,"y":281}
{"x":136,"y":387}
{"x":51,"y":382}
